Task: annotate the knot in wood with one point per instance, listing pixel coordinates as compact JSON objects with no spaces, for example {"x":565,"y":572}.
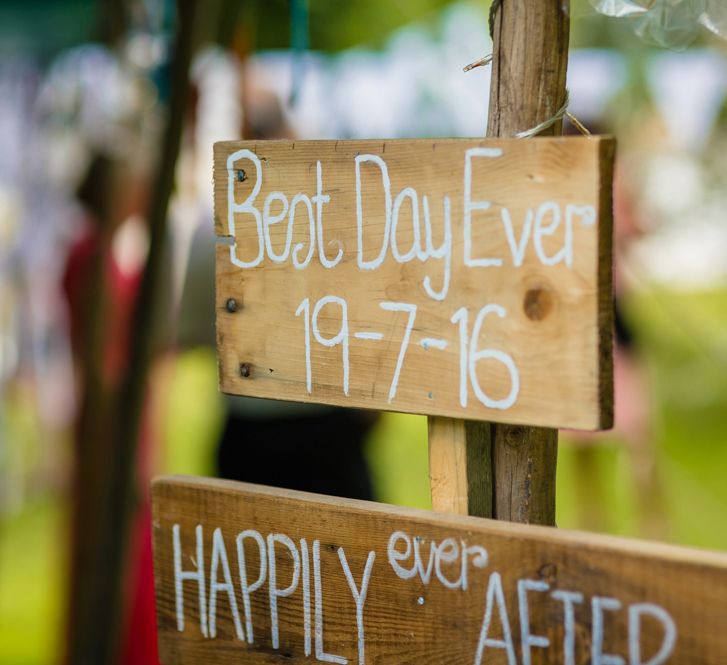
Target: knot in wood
{"x":548,"y":572}
{"x":514,"y":436}
{"x":537,"y":304}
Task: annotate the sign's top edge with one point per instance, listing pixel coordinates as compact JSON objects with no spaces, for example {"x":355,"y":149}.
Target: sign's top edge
{"x":594,"y":138}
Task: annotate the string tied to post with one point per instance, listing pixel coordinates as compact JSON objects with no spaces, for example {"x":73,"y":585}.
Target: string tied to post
{"x":479,"y":63}
{"x":561,"y":113}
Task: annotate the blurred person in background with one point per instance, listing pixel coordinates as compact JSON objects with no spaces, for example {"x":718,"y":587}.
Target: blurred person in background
{"x":632,"y":399}
{"x":114,"y":199}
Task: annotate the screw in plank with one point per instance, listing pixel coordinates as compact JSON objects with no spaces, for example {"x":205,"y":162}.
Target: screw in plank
{"x":241,"y":175}
{"x":231,"y":305}
{"x":245,"y":370}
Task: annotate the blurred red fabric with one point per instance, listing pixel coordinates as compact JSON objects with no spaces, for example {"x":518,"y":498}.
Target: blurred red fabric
{"x":139,"y":633}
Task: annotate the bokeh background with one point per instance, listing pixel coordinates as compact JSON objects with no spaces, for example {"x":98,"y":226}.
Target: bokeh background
{"x":86,"y":82}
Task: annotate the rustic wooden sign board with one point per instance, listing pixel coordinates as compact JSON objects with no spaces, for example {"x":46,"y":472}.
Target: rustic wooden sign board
{"x":461,"y":278}
{"x":258,"y":575}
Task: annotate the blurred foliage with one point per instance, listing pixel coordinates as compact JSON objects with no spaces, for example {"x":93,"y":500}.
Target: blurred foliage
{"x":194,"y":413}
{"x":335,"y":25}
{"x":33,"y":575}
{"x":45,"y":27}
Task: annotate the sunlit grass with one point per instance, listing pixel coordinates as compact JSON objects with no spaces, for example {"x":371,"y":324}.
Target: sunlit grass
{"x":33,"y":575}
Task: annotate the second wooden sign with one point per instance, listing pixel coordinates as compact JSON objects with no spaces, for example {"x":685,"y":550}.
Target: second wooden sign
{"x":258,"y":575}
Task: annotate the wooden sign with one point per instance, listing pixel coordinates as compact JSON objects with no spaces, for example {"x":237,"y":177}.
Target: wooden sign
{"x":462,"y":278}
{"x":258,"y":575}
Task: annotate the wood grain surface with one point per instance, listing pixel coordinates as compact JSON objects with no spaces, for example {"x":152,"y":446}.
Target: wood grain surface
{"x":593,"y":599}
{"x":393,"y":323}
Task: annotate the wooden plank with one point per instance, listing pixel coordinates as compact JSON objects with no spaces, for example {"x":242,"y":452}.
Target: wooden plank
{"x":460,"y":466}
{"x":536,"y":359}
{"x":565,"y":597}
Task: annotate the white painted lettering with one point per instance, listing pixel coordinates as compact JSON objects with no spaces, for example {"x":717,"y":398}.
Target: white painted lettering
{"x":306,"y":596}
{"x":528,"y":639}
{"x":444,"y":251}
{"x":552,"y":209}
{"x":394,"y":555}
{"x":270,"y":220}
{"x":479,"y":560}
{"x":274,"y":591}
{"x":318,"y":600}
{"x":219,"y":557}
{"x":302,"y":198}
{"x":568,"y":598}
{"x":196,"y":575}
{"x":416,"y":249}
{"x":341,"y":337}
{"x":412,"y":311}
{"x":425,"y":574}
{"x":517,"y":248}
{"x":599,"y":604}
{"x":470,"y":355}
{"x":470,"y":206}
{"x":448,"y":552}
{"x":668,"y":642}
{"x":386,"y":183}
{"x":495,"y":596}
{"x":319,"y":200}
{"x":246,"y":206}
{"x":358,"y":596}
{"x":246,"y":588}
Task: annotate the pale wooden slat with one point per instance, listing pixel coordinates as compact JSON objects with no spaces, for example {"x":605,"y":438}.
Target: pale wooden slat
{"x":407,"y":621}
{"x":552,"y":328}
{"x":460,"y":470}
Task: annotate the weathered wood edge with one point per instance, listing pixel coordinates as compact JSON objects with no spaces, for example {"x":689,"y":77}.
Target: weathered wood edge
{"x":588,"y":541}
{"x":604,"y":282}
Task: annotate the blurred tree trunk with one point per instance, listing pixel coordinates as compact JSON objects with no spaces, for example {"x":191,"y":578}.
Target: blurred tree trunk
{"x":109,"y":489}
{"x":94,"y":398}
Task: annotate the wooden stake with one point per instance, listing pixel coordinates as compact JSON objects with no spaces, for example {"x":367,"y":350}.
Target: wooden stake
{"x":517,"y":481}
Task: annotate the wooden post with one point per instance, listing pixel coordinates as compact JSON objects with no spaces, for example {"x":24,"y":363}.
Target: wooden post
{"x":508,"y":472}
